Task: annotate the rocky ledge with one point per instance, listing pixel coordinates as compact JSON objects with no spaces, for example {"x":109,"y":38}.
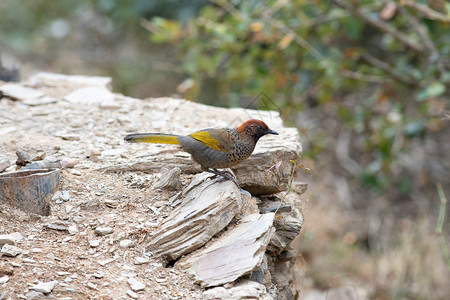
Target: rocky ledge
{"x":149,"y":203}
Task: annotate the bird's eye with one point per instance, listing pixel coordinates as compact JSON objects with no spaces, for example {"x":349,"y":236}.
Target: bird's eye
{"x":259,"y":127}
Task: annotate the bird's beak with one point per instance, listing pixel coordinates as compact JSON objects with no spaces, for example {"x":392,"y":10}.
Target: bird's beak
{"x":270,"y":131}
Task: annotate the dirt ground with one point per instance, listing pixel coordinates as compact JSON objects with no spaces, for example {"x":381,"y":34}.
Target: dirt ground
{"x":86,"y":265}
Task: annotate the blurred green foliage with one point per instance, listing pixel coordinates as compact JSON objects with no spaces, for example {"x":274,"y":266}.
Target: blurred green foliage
{"x":381,"y":68}
{"x":371,"y":78}
{"x":102,"y":37}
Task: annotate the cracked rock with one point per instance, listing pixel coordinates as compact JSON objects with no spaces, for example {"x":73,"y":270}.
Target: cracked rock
{"x":10,"y":250}
{"x":44,"y":287}
{"x":136,"y":285}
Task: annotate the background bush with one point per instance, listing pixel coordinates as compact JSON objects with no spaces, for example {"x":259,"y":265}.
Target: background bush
{"x":366,"y":82}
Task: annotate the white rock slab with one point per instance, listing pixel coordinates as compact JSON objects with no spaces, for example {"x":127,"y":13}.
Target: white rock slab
{"x":4,"y":279}
{"x":236,"y":253}
{"x":94,"y":243}
{"x":246,"y":289}
{"x":206,"y":208}
{"x":10,"y":250}
{"x":40,"y":101}
{"x":101,"y":231}
{"x":12,"y":238}
{"x":126,"y":243}
{"x":80,"y":79}
{"x":4,"y":163}
{"x":19,"y":92}
{"x":141,"y":260}
{"x":90,"y":95}
{"x":135,"y":284}
{"x":44,"y":287}
{"x":132,"y":294}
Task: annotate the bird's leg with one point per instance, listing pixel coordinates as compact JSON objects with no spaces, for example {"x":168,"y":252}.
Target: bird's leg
{"x":226,"y":171}
{"x":226,"y":175}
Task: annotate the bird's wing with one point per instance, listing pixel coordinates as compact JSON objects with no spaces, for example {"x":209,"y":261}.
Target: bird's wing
{"x":206,"y":138}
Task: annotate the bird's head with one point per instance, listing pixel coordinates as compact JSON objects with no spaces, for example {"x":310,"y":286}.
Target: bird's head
{"x":255,"y":128}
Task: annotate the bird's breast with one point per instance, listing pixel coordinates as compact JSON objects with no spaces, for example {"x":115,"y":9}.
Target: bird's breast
{"x":240,"y":152}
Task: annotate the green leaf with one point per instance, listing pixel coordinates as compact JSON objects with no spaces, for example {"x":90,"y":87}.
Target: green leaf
{"x":435,"y":89}
{"x":353,"y":27}
{"x":345,"y":114}
{"x":415,"y":128}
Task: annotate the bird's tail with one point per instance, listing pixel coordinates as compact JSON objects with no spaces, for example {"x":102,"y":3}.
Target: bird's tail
{"x":155,"y":138}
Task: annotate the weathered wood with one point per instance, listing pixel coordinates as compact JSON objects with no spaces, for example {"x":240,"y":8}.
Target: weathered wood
{"x":206,"y":208}
{"x":30,"y":191}
{"x":235,"y":253}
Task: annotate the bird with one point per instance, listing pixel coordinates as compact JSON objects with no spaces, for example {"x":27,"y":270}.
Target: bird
{"x":213,"y":148}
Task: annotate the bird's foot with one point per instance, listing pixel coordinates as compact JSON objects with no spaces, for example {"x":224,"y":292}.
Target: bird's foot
{"x":225,"y":174}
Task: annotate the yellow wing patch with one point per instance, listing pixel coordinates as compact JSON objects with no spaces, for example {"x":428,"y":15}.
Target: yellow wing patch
{"x":206,"y":138}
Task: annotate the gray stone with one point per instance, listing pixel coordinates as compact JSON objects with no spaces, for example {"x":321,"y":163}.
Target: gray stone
{"x":67,"y":136}
{"x":94,"y":243}
{"x":23,"y":157}
{"x":4,"y":279}
{"x":135,"y":284}
{"x":101,"y":231}
{"x":18,"y":92}
{"x":4,"y":163}
{"x":141,"y":260}
{"x":132,"y":294}
{"x":12,"y":238}
{"x":7,"y":130}
{"x":99,"y":274}
{"x":35,"y":296}
{"x":64,"y":196}
{"x":45,"y":77}
{"x":170,"y":179}
{"x":245,"y":289}
{"x":287,"y":228}
{"x":235,"y":253}
{"x":39,"y":101}
{"x":10,"y":250}
{"x":111,"y":203}
{"x":44,"y":287}
{"x":58,"y":225}
{"x":113,"y":152}
{"x":72,"y":229}
{"x":90,"y":95}
{"x":75,"y":172}
{"x":207,"y":207}
{"x":92,"y":286}
{"x":126,"y":244}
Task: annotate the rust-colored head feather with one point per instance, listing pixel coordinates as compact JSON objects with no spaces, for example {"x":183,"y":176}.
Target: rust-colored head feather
{"x":255,"y":128}
{"x":253,"y":122}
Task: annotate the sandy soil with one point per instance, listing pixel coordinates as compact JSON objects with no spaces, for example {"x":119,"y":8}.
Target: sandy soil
{"x":86,"y":265}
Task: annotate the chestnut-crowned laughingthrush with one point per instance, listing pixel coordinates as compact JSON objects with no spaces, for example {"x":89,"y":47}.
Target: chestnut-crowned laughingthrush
{"x":213,"y":148}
